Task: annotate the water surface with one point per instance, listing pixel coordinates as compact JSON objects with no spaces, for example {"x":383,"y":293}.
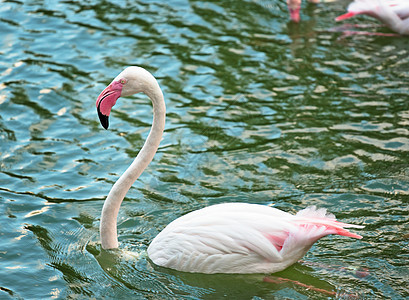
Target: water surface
{"x":259,"y":110}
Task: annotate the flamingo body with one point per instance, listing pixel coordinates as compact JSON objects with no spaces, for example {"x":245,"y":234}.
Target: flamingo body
{"x":223,"y":238}
{"x":393,"y":13}
{"x":241,"y":238}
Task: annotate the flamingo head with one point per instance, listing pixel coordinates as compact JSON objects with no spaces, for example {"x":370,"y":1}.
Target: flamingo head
{"x":107,"y":99}
{"x":130,"y":81}
{"x":345,"y":16}
{"x":294,"y":9}
{"x":357,"y":8}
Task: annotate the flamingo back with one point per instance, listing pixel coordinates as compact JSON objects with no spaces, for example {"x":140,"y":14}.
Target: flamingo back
{"x":241,"y":238}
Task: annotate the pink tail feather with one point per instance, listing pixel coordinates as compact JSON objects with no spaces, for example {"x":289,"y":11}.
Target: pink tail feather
{"x":346,"y":232}
{"x":320,"y":217}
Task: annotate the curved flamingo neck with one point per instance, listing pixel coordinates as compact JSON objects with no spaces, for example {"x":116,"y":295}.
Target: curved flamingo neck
{"x":108,"y":224}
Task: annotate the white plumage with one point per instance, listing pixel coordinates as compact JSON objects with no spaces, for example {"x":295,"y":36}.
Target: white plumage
{"x":223,"y":238}
{"x":241,"y":238}
{"x":393,"y":13}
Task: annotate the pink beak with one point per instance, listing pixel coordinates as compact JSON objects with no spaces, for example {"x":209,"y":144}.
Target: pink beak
{"x":345,"y":16}
{"x":106,"y":100}
{"x":294,"y":14}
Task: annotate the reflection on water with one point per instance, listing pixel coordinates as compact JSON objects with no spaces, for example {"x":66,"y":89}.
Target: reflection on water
{"x":259,"y":110}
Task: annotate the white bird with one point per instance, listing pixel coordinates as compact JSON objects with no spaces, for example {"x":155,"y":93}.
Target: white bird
{"x":393,"y":13}
{"x":223,"y":238}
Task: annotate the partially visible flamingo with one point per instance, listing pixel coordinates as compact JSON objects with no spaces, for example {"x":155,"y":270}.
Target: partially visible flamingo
{"x":393,"y":13}
{"x":294,"y":7}
{"x":223,"y":238}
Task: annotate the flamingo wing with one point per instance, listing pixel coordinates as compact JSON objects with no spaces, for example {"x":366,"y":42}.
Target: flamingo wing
{"x":234,"y":238}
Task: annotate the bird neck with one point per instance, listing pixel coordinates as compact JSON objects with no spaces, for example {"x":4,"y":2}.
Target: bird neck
{"x":108,"y":224}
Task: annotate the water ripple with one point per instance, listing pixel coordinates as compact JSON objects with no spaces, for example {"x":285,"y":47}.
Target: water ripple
{"x":259,"y":110}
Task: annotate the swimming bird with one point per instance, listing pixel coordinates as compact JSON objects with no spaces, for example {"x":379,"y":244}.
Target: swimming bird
{"x":393,"y":13}
{"x":294,"y":7}
{"x":222,"y":238}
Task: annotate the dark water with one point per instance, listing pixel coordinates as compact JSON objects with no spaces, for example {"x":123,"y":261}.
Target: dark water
{"x":259,"y":111}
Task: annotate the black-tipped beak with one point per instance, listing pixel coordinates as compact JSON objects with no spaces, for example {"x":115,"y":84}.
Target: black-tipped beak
{"x":103,"y":119}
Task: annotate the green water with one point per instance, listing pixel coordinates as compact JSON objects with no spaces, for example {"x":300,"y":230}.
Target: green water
{"x":259,"y":111}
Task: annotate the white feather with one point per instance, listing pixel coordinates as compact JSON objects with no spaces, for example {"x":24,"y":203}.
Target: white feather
{"x":224,"y":238}
{"x":239,"y":238}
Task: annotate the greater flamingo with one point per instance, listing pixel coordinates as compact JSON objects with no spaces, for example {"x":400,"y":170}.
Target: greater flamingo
{"x":223,"y":238}
{"x":393,"y":13}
